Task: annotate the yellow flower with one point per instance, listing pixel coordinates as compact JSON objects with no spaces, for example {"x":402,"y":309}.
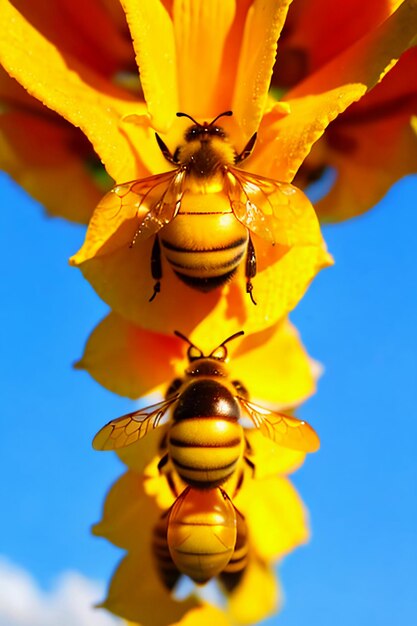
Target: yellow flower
{"x":373,"y":143}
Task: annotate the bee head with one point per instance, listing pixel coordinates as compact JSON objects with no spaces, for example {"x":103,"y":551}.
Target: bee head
{"x":205,"y":130}
{"x":211,"y":365}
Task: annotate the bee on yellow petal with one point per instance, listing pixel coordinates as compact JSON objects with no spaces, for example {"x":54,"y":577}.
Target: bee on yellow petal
{"x":202,"y":536}
{"x":216,"y":206}
{"x":205,"y":441}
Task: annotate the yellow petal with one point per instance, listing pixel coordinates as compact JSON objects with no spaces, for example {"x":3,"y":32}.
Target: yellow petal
{"x":275,"y":367}
{"x":121,"y":276}
{"x":274,"y":514}
{"x":257,"y":595}
{"x":153,"y":39}
{"x":205,"y":615}
{"x":201,"y":29}
{"x":272,"y":364}
{"x":84,"y":98}
{"x":269,"y":458}
{"x":264,"y":22}
{"x":137,"y":595}
{"x":285,"y":141}
{"x":129,"y":514}
{"x":128,"y":360}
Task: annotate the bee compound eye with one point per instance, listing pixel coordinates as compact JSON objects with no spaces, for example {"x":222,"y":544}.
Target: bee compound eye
{"x":217,"y":131}
{"x":241,"y":389}
{"x":174,"y":386}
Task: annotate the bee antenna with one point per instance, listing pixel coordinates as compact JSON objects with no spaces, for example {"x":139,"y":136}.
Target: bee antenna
{"x":179,"y":114}
{"x":226,"y":113}
{"x":184,"y":338}
{"x":223,"y":345}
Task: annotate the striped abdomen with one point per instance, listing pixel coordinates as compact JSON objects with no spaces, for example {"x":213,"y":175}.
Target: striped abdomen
{"x":166,"y":567}
{"x":205,"y":441}
{"x":233,"y":572}
{"x":201,"y":533}
{"x":204,"y":249}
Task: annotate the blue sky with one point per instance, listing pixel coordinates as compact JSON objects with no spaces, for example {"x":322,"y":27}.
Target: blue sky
{"x":358,"y":319}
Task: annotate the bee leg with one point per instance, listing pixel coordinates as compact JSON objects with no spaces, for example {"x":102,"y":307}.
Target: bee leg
{"x":166,"y":151}
{"x":238,"y":485}
{"x":250,"y":268}
{"x":156,"y":268}
{"x":247,"y":150}
{"x":250,"y":464}
{"x":162,"y":462}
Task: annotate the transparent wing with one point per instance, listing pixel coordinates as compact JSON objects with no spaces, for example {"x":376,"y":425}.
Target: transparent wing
{"x":283,"y":429}
{"x":131,"y":427}
{"x":156,"y":200}
{"x":270,"y":209}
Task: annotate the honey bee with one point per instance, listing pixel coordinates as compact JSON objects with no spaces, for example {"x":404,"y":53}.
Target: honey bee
{"x":205,"y":441}
{"x":216,"y":207}
{"x":202,"y":535}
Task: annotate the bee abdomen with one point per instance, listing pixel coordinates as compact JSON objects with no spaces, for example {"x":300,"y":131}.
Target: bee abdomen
{"x":166,"y":567}
{"x":201,"y":534}
{"x":188,"y":246}
{"x":205,"y":451}
{"x":233,"y":572}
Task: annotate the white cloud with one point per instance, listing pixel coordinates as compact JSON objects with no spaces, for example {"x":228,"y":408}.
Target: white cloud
{"x":69,"y":603}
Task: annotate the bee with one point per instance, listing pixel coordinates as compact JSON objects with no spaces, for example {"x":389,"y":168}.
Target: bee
{"x":216,"y":206}
{"x":202,"y":535}
{"x":205,"y":440}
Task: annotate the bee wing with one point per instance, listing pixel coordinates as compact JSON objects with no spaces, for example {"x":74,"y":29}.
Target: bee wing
{"x":156,"y":200}
{"x":269,"y":208}
{"x":283,"y":429}
{"x":131,"y":427}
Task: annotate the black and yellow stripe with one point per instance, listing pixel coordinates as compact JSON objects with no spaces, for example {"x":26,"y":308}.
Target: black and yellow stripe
{"x":233,"y":572}
{"x":205,"y":441}
{"x":204,"y":249}
{"x":166,"y":567}
{"x":202,"y":533}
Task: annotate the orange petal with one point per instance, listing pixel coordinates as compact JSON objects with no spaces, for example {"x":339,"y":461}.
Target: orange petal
{"x":337,"y":29}
{"x":285,"y":141}
{"x":383,"y":119}
{"x":201,"y":30}
{"x":384,"y":152}
{"x":84,"y":98}
{"x":55,"y":176}
{"x":257,"y":595}
{"x":94,"y":35}
{"x":275,"y":516}
{"x":263,"y":26}
{"x":153,"y":38}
